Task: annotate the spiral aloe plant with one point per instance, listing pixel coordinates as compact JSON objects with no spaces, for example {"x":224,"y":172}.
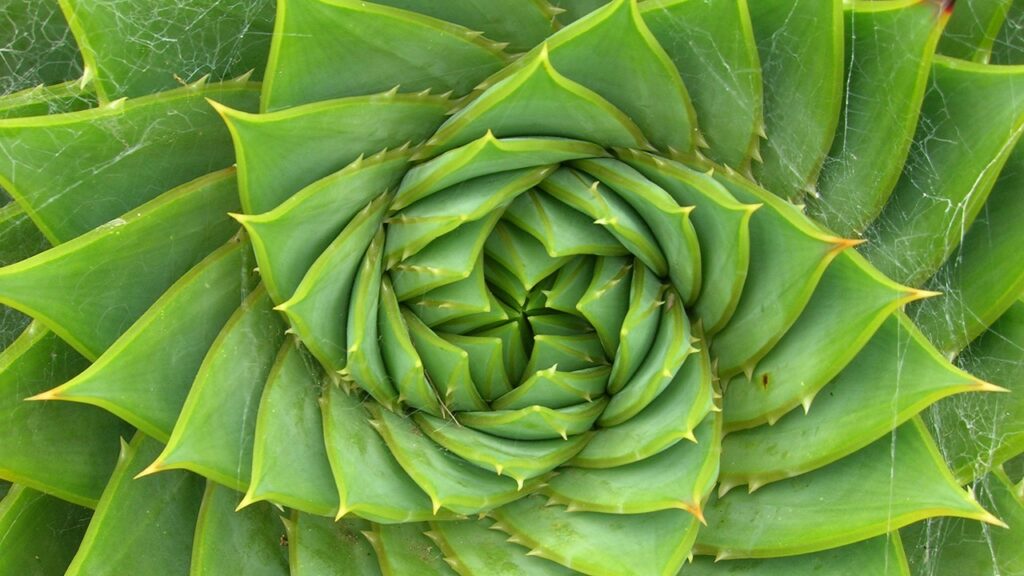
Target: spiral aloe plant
{"x":512,"y":287}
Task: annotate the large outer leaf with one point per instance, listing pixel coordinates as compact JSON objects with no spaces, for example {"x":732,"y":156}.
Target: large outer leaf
{"x":144,"y":46}
{"x":156,"y":514}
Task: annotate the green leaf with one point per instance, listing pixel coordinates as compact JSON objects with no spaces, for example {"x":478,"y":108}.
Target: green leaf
{"x":895,"y":376}
{"x":881,"y":556}
{"x":40,"y":533}
{"x":672,"y":345}
{"x":521,"y":254}
{"x":473,"y":547}
{"x":986,"y":275}
{"x":449,"y":481}
{"x":369,"y":479}
{"x":289,"y":460}
{"x":649,"y":89}
{"x":156,"y":514}
{"x":1008,"y":47}
{"x":536,"y":422}
{"x":679,"y":477}
{"x":19,"y":239}
{"x":638,"y":328}
{"x":678,"y":411}
{"x":214,"y":434}
{"x":611,"y":211}
{"x":972,"y":29}
{"x":456,"y":300}
{"x":537,"y":100}
{"x":365,"y":363}
{"x":849,"y":304}
{"x":143,"y":380}
{"x":801,"y":50}
{"x":889,"y":55}
{"x":486,"y":363}
{"x":318,"y":309}
{"x":415,"y":227}
{"x":518,"y":459}
{"x":555,"y":389}
{"x":38,"y":46}
{"x":279,"y":153}
{"x":788,"y":256}
{"x":318,"y":546}
{"x":998,"y":357}
{"x":70,"y":96}
{"x":406,"y":549}
{"x":60,"y":448}
{"x":572,"y":10}
{"x":444,"y":261}
{"x":669,"y":222}
{"x":522,"y":24}
{"x":91,"y":289}
{"x":712,"y":44}
{"x":607,"y":299}
{"x":573,"y":352}
{"x":402,"y":361}
{"x":323,"y":210}
{"x":446,"y":365}
{"x":957,"y":155}
{"x":230,"y":542}
{"x":600,"y":544}
{"x":562,"y":230}
{"x":172,"y":138}
{"x":968,"y":547}
{"x":722,"y":225}
{"x":487,"y":155}
{"x":148,"y":46}
{"x":317,"y":43}
{"x":896,"y":480}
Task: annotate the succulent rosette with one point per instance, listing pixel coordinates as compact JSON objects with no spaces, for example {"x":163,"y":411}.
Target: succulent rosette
{"x":513,"y":287}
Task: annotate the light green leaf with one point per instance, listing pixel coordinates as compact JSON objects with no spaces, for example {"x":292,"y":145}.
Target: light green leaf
{"x":522,"y":24}
{"x":957,"y":155}
{"x":600,"y":544}
{"x":896,"y":480}
{"x":91,"y":289}
{"x":147,"y":46}
{"x":229,"y":542}
{"x":849,"y":304}
{"x":289,"y":461}
{"x":801,"y":51}
{"x":279,"y":153}
{"x":40,"y":533}
{"x":881,"y":556}
{"x":156,"y":514}
{"x":143,"y":380}
{"x":214,"y":434}
{"x":679,"y":477}
{"x":371,"y":483}
{"x":172,"y":138}
{"x":318,"y":43}
{"x":712,"y":44}
{"x":318,"y":310}
{"x":889,"y":54}
{"x":449,"y":481}
{"x":60,"y":448}
{"x":473,"y":547}
{"x":894,"y":377}
{"x":318,"y":546}
{"x":322,"y":210}
{"x":517,"y":459}
{"x":537,"y":100}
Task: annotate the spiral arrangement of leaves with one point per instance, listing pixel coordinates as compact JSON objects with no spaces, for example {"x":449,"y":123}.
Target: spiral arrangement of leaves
{"x":513,"y":287}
